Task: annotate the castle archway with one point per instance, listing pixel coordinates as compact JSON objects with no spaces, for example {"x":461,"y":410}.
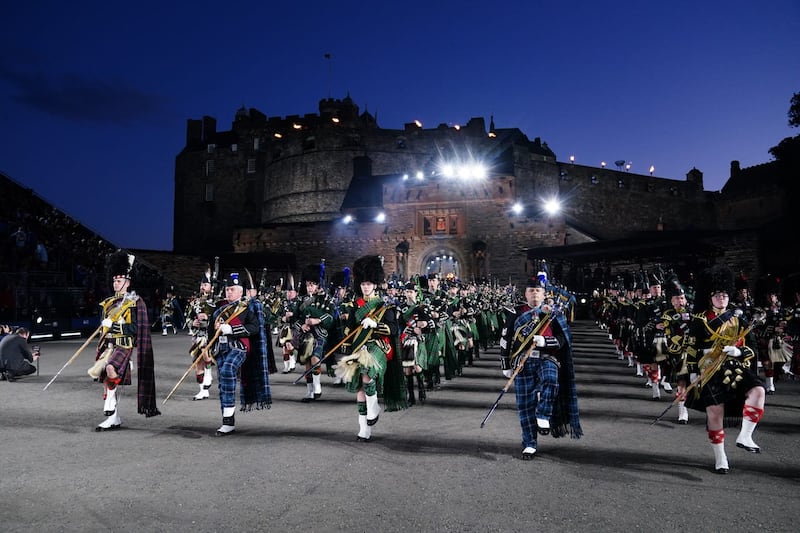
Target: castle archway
{"x":443,"y":260}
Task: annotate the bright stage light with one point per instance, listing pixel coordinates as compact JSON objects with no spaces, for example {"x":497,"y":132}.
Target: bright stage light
{"x":552,"y":206}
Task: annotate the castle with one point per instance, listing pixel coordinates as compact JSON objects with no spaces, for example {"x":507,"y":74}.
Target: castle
{"x":467,"y":200}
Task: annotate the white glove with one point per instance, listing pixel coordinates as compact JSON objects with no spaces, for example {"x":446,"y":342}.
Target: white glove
{"x":107,"y":323}
{"x":507,"y":373}
{"x":368,"y":323}
{"x":225,"y":329}
{"x":538,"y":340}
{"x":733,"y":351}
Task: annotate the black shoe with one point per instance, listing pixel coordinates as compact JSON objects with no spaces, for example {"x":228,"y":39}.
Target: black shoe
{"x":722,"y":471}
{"x":373,"y":421}
{"x":227,"y":421}
{"x":542,"y":430}
{"x":528,"y":456}
{"x":363,"y":439}
{"x":751,"y":449}
{"x":113,"y":427}
{"x":317,"y":395}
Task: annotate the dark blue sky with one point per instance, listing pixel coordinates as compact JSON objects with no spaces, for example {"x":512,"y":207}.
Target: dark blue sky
{"x":94,"y":96}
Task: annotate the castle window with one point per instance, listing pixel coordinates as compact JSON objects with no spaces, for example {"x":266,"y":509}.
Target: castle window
{"x":234,"y":147}
{"x":210,"y":165}
{"x":309,"y":143}
{"x":256,"y":143}
{"x":453,"y":225}
{"x":426,"y":226}
{"x":353,"y":140}
{"x":444,"y":224}
{"x":401,"y":144}
{"x":211,"y":148}
{"x":594,"y":180}
{"x":251,"y":165}
{"x":209,"y":197}
{"x":620,"y":183}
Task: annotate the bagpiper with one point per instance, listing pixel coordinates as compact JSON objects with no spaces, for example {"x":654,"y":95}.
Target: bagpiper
{"x":721,"y":366}
{"x":125,"y":326}
{"x":201,"y":308}
{"x":232,"y":329}
{"x":311,"y":322}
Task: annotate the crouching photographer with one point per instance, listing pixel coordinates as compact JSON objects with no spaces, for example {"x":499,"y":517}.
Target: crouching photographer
{"x":16,"y":357}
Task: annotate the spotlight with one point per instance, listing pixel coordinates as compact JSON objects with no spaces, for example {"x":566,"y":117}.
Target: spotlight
{"x":552,"y":206}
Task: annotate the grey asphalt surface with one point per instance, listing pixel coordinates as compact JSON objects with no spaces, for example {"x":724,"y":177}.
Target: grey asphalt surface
{"x":298,"y":467}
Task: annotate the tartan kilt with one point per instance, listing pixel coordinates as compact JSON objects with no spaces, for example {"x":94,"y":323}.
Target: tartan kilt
{"x":120,"y":359}
{"x":716,"y":391}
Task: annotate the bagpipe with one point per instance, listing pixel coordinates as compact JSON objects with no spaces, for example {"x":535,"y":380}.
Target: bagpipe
{"x":128,"y":301}
{"x":528,"y":331}
{"x":726,"y":333}
{"x":230,"y":313}
{"x":375,"y":314}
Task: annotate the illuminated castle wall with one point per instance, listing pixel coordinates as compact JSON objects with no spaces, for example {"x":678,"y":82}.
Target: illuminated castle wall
{"x":284,"y":184}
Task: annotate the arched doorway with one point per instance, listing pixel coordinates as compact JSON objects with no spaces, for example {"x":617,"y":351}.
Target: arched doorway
{"x":444,"y":261}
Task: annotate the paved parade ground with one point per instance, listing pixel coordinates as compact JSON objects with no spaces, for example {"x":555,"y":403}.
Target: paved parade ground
{"x":298,"y":466}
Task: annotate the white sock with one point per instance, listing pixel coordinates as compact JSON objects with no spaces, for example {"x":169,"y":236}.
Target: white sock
{"x":746,"y":433}
{"x":720,"y":459}
{"x":110,"y":403}
{"x":364,"y":430}
{"x":373,"y":409}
